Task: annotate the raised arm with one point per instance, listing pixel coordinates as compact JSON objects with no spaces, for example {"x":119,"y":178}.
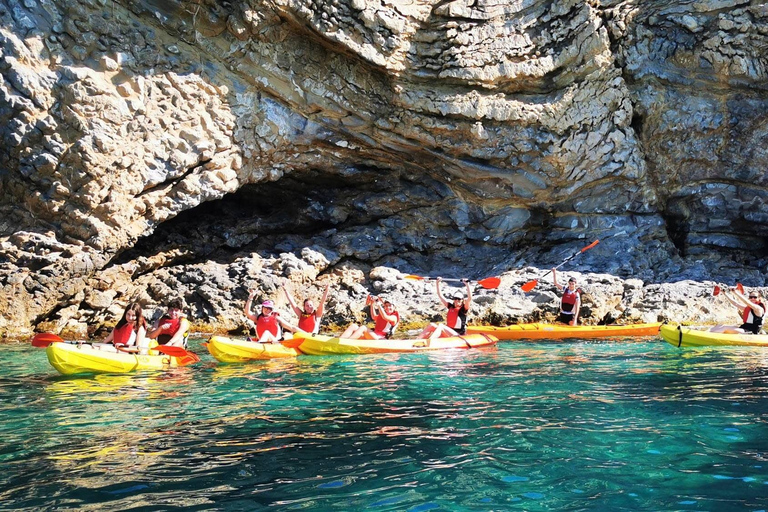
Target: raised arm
{"x":292,"y":303}
{"x":745,"y":302}
{"x":735,"y":300}
{"x":468,"y":300}
{"x":247,"y":308}
{"x":320,"y":307}
{"x":554,"y":278}
{"x":439,"y":293}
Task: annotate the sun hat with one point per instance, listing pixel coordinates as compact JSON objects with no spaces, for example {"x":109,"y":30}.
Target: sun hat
{"x":457,"y":296}
{"x":268,"y":304}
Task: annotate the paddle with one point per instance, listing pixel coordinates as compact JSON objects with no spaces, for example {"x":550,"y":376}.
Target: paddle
{"x":489,"y":283}
{"x":530,"y":285}
{"x":717,"y":289}
{"x":43,"y":339}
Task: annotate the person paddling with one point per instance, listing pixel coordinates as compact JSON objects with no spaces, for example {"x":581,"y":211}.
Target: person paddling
{"x":385,"y":317}
{"x":456,"y":318}
{"x":309,"y":316}
{"x":752,"y":311}
{"x":570,"y":302}
{"x":130,"y":331}
{"x":173,"y":327}
{"x":269,"y":325}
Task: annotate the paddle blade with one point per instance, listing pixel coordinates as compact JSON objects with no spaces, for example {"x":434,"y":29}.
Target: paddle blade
{"x":716,"y":291}
{"x":490,"y":283}
{"x":417,"y":278}
{"x":293,"y":342}
{"x":740,"y":288}
{"x":171,"y":350}
{"x":590,"y":246}
{"x":530,"y":285}
{"x":189,"y":358}
{"x":43,"y":339}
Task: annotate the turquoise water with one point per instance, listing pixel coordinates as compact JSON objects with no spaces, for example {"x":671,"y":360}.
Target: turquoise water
{"x":525,"y":426}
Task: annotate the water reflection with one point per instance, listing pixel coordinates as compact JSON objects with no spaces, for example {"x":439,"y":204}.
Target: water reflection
{"x":529,"y":425}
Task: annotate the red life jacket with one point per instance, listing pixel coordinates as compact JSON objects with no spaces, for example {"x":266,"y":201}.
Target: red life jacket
{"x":751,"y":321}
{"x":457,"y":318}
{"x":384,"y":328}
{"x":569,"y":300}
{"x":124,"y":335}
{"x":174,"y":326}
{"x":268,"y":323}
{"x":309,"y":323}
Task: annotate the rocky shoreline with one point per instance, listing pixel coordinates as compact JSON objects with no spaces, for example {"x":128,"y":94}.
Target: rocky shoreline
{"x":215,"y":294}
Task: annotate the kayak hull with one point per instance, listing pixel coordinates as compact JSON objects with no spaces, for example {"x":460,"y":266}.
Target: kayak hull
{"x":228,"y":350}
{"x":330,"y":345}
{"x":74,"y":359}
{"x":682,"y":336}
{"x":540,"y":331}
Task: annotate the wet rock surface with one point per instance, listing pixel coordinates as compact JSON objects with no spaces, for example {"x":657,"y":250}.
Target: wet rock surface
{"x":160,"y":149}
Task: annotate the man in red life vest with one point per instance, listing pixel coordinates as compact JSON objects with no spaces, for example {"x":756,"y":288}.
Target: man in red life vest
{"x":309,"y":317}
{"x":269,"y":325}
{"x":570,"y":302}
{"x":173,"y":327}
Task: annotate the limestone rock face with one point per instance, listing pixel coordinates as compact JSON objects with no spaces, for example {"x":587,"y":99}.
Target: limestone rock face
{"x":153,"y":149}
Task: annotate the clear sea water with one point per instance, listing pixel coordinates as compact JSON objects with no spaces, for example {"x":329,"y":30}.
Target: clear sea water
{"x":526,"y":426}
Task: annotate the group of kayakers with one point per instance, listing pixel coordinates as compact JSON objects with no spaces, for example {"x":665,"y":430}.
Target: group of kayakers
{"x":269,"y":326}
{"x":132,"y":332}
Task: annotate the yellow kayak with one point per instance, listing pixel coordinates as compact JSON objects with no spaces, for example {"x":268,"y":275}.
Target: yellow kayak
{"x":71,"y":359}
{"x":682,"y":336}
{"x":228,"y":350}
{"x":325,"y":345}
{"x":540,"y":331}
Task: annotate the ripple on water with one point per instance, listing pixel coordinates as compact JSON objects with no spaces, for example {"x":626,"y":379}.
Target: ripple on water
{"x":551,"y":425}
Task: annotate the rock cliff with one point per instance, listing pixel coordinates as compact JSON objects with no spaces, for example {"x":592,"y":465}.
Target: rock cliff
{"x":161,"y":148}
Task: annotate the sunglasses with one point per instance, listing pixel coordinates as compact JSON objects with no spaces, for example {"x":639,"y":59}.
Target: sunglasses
{"x":753,"y":296}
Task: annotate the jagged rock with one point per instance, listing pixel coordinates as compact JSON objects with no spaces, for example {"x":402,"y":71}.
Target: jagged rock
{"x":202,"y":150}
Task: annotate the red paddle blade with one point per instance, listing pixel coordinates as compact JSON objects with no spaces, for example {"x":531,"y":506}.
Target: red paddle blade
{"x":417,"y":278}
{"x":740,"y":288}
{"x":490,"y":283}
{"x":189,"y":358}
{"x":590,"y":246}
{"x":716,"y":291}
{"x":43,"y":339}
{"x":530,"y":285}
{"x":171,"y":350}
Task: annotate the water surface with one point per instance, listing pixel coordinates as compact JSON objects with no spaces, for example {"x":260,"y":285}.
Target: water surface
{"x":525,"y":426}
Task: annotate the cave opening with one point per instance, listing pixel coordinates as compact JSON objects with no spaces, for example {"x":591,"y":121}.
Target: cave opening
{"x":300,"y":209}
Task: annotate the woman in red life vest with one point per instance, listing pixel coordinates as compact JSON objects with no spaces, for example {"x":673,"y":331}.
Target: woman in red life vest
{"x":173,"y":327}
{"x":309,"y":317}
{"x":752,"y":311}
{"x":456,"y":318}
{"x":385,"y":319}
{"x":570,"y":302}
{"x":130,"y":331}
{"x":269,"y":325}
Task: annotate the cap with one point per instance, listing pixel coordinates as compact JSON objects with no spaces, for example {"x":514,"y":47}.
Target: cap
{"x":457,"y":296}
{"x":268,"y":304}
